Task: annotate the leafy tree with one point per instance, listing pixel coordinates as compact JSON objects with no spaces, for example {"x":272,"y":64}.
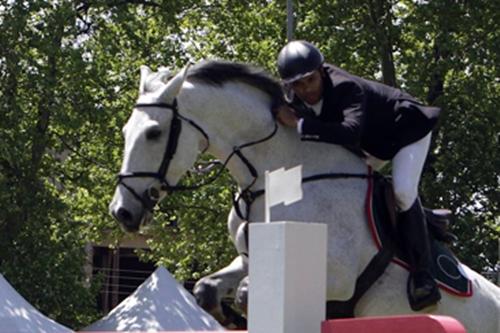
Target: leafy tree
{"x":40,"y":253}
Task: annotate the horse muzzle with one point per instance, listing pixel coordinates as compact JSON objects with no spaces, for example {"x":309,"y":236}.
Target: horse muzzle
{"x":129,"y":220}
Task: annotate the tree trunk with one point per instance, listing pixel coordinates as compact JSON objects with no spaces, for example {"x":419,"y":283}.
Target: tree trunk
{"x":436,"y":85}
{"x":46,"y":104}
{"x":380,"y":19}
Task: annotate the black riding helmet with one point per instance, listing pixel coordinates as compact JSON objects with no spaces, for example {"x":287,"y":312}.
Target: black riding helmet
{"x":298,"y":59}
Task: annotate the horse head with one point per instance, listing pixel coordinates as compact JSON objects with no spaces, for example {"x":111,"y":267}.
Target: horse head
{"x":152,"y":165}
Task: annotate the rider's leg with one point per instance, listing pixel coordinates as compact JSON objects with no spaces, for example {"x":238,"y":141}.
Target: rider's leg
{"x":407,"y":168}
{"x":414,"y":235}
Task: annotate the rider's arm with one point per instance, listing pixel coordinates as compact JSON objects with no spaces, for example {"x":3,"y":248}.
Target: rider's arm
{"x":286,"y":115}
{"x":347,"y":132}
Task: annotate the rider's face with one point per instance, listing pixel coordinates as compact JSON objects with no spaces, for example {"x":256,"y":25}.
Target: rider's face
{"x":309,"y":88}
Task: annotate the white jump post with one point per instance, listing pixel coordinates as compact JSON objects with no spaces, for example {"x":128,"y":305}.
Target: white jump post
{"x":287,"y":272}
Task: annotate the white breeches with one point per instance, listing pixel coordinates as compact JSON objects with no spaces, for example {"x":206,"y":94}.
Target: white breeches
{"x":407,"y":167}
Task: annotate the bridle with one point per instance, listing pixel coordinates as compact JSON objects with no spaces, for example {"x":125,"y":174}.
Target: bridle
{"x":151,"y":196}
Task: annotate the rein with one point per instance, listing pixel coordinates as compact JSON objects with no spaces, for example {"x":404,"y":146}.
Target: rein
{"x":151,"y":196}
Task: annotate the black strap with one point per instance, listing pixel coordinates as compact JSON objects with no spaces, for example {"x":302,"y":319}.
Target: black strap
{"x":159,"y":105}
{"x":339,"y":175}
{"x":236,"y":204}
{"x":247,"y":163}
{"x":146,"y":201}
{"x":248,"y":196}
{"x":374,"y":269}
{"x":171,"y":147}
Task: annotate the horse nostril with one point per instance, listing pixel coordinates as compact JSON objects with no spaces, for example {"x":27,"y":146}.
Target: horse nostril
{"x":123,"y":215}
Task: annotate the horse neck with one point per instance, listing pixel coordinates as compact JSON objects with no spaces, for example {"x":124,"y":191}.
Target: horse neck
{"x":237,"y":114}
{"x":233,"y":117}
{"x":287,"y":150}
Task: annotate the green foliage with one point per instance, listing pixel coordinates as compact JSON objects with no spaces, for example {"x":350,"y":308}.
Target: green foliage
{"x":190,"y":235}
{"x":69,"y":77}
{"x":45,"y":260}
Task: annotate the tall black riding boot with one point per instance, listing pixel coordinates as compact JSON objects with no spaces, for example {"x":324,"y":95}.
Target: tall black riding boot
{"x":412,"y":227}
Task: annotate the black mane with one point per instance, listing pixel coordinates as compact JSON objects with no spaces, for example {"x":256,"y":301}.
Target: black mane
{"x":217,"y":72}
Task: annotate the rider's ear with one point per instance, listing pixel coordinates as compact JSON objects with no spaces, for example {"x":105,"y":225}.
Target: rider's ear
{"x":145,"y":71}
{"x":172,"y":88}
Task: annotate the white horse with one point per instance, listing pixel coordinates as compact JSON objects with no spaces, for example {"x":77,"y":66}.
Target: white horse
{"x":216,"y":107}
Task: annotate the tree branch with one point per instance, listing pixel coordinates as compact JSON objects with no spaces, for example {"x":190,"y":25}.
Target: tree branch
{"x":133,"y":2}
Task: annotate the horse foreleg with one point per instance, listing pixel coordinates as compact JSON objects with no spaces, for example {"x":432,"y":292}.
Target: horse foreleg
{"x":211,"y":290}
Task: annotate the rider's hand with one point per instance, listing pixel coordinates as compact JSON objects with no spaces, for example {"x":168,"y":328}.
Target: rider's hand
{"x":286,"y":116}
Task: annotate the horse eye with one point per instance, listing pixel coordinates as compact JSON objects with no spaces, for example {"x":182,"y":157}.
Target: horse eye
{"x":153,"y":133}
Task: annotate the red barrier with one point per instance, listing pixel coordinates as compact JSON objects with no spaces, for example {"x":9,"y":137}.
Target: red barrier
{"x":394,"y":324}
{"x":390,"y":324}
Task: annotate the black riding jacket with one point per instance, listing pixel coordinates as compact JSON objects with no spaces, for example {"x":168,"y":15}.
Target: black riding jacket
{"x":365,"y":115}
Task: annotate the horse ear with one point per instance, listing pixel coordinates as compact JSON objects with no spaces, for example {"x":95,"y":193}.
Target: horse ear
{"x":172,"y":88}
{"x":163,"y":74}
{"x":145,"y":71}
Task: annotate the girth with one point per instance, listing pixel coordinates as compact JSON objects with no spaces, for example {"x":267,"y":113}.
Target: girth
{"x":248,"y":196}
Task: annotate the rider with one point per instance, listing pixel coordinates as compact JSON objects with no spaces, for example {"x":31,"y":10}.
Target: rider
{"x":378,"y":122}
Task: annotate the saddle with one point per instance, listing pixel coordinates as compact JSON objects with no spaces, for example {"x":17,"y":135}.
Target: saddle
{"x":438,"y":220}
{"x":382,"y":220}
